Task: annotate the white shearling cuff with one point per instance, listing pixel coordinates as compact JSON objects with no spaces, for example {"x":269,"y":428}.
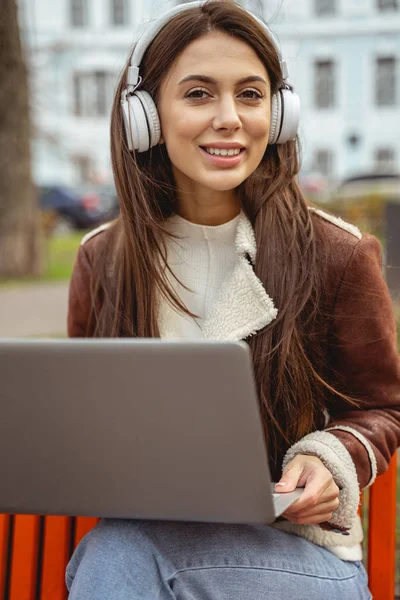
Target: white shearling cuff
{"x":347,"y":547}
{"x":361,"y":438}
{"x":338,"y":461}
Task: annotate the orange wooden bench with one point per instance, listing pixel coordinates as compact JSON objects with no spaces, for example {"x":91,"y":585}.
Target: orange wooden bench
{"x":34,"y":550}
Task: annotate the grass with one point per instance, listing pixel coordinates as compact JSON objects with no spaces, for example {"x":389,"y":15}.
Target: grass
{"x":60,"y":252}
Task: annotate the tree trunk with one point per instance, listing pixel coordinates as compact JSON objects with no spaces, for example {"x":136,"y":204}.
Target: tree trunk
{"x":20,"y":237}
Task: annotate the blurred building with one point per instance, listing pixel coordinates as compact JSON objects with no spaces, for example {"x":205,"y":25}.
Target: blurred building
{"x":343,"y":57}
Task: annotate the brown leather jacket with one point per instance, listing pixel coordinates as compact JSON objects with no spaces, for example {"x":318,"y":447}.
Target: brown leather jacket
{"x":359,"y":347}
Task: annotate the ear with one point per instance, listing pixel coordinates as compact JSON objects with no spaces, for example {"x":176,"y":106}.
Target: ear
{"x":161,"y":140}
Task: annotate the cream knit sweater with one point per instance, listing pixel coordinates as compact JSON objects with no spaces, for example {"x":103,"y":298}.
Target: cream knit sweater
{"x":201,"y":258}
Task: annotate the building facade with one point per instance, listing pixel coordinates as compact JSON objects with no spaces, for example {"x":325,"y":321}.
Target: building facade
{"x":343,"y":58}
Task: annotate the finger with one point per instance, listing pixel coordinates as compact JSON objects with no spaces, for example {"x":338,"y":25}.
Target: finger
{"x":331,"y":493}
{"x":317,"y":484}
{"x":330,"y":497}
{"x":290,"y":477}
{"x":325,"y":507}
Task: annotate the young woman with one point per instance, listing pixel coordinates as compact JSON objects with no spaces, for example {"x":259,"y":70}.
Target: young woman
{"x":215,"y":240}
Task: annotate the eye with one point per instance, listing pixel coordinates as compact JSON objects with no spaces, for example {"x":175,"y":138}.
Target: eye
{"x":197,"y":94}
{"x":251,"y":94}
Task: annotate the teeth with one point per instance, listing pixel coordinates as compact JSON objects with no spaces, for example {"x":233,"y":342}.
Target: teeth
{"x":221,"y":152}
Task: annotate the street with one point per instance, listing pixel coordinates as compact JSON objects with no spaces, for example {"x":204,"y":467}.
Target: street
{"x":34,"y":310}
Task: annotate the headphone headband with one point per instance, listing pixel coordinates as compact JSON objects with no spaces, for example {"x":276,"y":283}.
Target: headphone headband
{"x":133,"y":78}
{"x":140,"y":115}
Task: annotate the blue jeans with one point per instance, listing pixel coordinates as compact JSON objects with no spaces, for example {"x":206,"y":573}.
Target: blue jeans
{"x":161,"y":560}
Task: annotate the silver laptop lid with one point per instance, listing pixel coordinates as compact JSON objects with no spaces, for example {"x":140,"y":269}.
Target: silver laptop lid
{"x":132,"y":428}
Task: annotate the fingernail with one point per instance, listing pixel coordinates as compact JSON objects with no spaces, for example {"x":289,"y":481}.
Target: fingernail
{"x":282,"y":484}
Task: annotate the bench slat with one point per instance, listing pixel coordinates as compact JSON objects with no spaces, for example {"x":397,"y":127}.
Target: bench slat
{"x":5,"y":522}
{"x":24,"y":557}
{"x":62,"y":534}
{"x":56,"y":550}
{"x":382,"y":535}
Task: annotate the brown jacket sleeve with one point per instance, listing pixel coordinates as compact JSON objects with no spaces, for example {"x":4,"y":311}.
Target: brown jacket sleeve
{"x":79,"y":295}
{"x":363,"y":363}
{"x":363,"y":359}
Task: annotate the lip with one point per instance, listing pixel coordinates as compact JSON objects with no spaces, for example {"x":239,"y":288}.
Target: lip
{"x":224,"y":161}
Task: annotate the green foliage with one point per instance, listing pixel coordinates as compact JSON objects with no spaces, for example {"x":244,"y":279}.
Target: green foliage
{"x":60,"y":252}
{"x":367,"y":211}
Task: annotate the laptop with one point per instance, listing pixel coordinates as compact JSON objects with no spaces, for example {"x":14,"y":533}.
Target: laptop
{"x":133,"y":428}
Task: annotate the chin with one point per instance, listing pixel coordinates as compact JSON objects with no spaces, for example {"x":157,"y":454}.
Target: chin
{"x":226,"y":183}
{"x":224,"y":188}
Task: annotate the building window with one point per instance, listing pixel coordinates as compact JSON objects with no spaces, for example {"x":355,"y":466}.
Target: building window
{"x":384,"y":5}
{"x":325,"y":8}
{"x":77,"y":94}
{"x":385,"y":84}
{"x":324,"y":83}
{"x":323,"y":162}
{"x":100,"y":85}
{"x":79,"y":13}
{"x":385,"y":160}
{"x":83,"y":167}
{"x":93,"y":93}
{"x":119,"y":12}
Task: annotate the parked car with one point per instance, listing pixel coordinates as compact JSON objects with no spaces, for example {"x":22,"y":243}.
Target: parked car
{"x":65,"y":209}
{"x":315,"y":187}
{"x":384,"y":185}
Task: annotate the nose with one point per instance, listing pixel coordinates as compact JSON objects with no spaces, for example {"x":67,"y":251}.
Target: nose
{"x":226,"y":116}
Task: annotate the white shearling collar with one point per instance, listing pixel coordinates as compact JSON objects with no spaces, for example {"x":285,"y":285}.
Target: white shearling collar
{"x":245,"y":239}
{"x":242,"y":306}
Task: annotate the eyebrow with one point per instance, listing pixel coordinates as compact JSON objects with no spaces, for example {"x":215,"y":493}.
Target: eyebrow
{"x":206,"y":79}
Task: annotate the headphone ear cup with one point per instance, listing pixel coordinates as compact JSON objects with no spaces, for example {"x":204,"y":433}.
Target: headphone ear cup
{"x":285,"y":116}
{"x":152,"y":118}
{"x":276,"y":113}
{"x":290,"y":107}
{"x":137,"y":133}
{"x":141,"y":121}
{"x":126,"y":121}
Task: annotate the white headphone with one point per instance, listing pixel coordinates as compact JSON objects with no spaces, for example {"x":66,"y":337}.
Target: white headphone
{"x":141,"y":120}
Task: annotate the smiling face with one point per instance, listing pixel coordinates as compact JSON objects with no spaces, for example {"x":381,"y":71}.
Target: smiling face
{"x":214,"y":107}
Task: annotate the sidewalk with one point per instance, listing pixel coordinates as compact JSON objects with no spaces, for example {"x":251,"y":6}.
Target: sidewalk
{"x":34,"y":310}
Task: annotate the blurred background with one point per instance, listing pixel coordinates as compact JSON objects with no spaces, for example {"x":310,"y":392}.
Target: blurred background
{"x":343,"y":58}
{"x":59,"y":64}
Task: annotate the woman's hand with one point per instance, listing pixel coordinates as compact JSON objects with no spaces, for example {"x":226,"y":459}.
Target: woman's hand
{"x":321,"y":494}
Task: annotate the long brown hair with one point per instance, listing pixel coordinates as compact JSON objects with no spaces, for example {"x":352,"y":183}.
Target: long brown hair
{"x":125,"y":301}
